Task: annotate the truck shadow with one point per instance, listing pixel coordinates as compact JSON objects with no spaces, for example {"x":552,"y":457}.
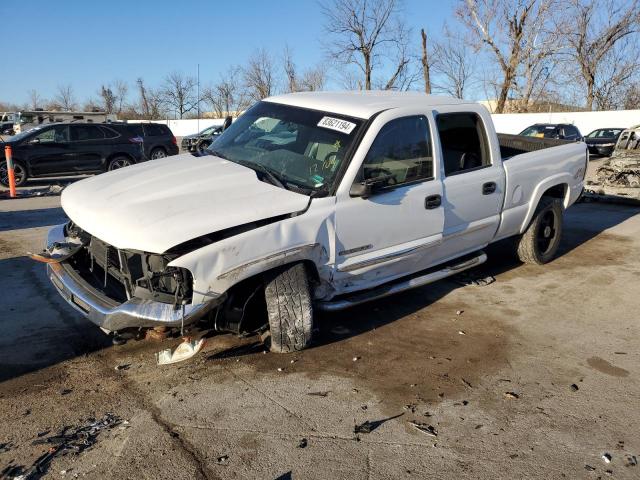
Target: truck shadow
{"x":39,"y":328}
{"x":40,"y":217}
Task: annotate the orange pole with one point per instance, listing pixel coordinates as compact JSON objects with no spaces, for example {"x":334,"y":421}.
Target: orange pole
{"x":11,"y":173}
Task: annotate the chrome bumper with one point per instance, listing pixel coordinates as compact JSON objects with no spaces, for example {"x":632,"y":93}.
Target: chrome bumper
{"x":111,"y":315}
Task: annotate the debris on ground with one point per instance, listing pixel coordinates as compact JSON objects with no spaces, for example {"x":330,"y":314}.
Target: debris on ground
{"x":68,"y":440}
{"x":302,"y":443}
{"x":461,"y":332}
{"x":466,"y":382}
{"x":472,"y":279}
{"x":425,"y":428}
{"x":630,"y":461}
{"x":187,"y":349}
{"x":589,"y":468}
{"x":50,"y":191}
{"x":370,"y":426}
{"x":124,"y":366}
{"x":574,"y":387}
{"x":222,"y":460}
{"x":606,"y":457}
{"x":355,"y":359}
{"x":513,"y":395}
{"x":319,"y":394}
{"x":459,"y":312}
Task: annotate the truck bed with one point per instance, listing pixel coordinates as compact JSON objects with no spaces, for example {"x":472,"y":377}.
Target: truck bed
{"x":512,"y":145}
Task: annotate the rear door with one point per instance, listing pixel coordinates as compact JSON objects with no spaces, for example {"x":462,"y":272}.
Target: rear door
{"x":48,"y":152}
{"x":88,"y":144}
{"x":395,"y":231}
{"x":473,"y":183}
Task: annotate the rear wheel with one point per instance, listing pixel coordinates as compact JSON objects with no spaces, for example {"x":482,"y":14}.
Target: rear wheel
{"x":19,"y":170}
{"x":119,"y":162}
{"x":289,"y":309}
{"x":157,"y":153}
{"x":539,"y":243}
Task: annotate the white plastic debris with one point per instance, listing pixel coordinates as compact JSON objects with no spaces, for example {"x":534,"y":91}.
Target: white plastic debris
{"x":606,"y":457}
{"x":187,"y":349}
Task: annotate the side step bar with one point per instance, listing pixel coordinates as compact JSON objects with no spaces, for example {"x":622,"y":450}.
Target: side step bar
{"x":402,"y":285}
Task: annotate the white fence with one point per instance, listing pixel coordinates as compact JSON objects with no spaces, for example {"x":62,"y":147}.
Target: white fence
{"x":505,"y":123}
{"x":585,"y":121}
{"x":180,"y":128}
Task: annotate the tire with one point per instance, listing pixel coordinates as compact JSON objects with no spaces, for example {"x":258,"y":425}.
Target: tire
{"x":539,"y":243}
{"x":157,"y":153}
{"x":289,"y":309}
{"x":19,"y":170}
{"x":119,"y":162}
{"x":202,"y":146}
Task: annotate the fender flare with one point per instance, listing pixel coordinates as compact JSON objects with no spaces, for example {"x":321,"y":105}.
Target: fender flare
{"x":564,"y":179}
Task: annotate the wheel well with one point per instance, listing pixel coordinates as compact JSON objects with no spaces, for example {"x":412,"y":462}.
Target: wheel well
{"x":159,"y":147}
{"x":557,"y":191}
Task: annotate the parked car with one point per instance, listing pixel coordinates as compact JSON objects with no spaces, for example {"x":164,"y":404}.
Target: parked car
{"x":189,"y":142}
{"x":603,"y":141}
{"x":560,"y":131}
{"x":309,"y":199}
{"x":199,"y":142}
{"x":84,"y":148}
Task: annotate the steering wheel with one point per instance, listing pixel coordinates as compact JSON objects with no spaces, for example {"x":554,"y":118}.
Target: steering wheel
{"x":384,"y":171}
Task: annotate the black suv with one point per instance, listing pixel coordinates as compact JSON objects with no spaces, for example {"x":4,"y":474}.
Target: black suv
{"x":561,"y":131}
{"x":84,"y":148}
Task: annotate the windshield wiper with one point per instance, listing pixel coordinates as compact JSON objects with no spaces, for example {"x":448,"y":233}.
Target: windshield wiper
{"x":275,"y":178}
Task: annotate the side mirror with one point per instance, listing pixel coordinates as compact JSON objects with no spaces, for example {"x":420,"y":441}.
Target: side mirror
{"x":363,"y":190}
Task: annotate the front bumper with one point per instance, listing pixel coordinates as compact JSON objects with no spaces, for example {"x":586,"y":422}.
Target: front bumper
{"x":111,"y":315}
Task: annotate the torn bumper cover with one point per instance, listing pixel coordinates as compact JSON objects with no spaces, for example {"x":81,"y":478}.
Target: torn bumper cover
{"x":112,"y":315}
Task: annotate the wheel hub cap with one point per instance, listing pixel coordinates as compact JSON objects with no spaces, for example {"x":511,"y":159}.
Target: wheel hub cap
{"x":547,"y":231}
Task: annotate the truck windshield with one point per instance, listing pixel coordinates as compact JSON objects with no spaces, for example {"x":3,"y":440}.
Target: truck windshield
{"x":301,"y":148}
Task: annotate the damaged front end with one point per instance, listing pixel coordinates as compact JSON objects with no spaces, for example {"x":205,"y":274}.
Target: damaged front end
{"x":618,"y":178}
{"x":118,"y":289}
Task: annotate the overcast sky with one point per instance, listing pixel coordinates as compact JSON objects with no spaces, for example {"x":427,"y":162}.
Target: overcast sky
{"x":89,"y":42}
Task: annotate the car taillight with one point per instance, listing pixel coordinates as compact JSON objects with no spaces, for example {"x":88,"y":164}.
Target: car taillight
{"x":137,"y":139}
{"x":174,"y":140}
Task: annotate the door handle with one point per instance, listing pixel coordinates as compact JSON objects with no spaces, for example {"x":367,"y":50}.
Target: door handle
{"x":432,"y":201}
{"x":488,"y":188}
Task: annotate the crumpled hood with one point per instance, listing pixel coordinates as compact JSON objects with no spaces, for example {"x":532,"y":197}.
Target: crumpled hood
{"x":159,"y":204}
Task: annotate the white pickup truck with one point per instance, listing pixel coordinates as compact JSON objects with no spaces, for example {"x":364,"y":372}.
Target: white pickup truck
{"x":309,"y":201}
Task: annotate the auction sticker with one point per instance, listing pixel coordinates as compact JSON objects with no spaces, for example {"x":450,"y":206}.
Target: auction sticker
{"x":337,"y":124}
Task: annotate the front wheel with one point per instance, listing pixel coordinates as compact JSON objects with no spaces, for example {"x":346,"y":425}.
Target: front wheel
{"x":19,"y":171}
{"x":539,"y":243}
{"x":289,"y":309}
{"x":157,"y":153}
{"x":119,"y":162}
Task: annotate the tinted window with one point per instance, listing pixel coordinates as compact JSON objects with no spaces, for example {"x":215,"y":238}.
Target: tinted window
{"x":81,"y":133}
{"x":57,"y":134}
{"x":109,"y":133}
{"x":402,"y":149}
{"x":464,"y":142}
{"x":154,"y":129}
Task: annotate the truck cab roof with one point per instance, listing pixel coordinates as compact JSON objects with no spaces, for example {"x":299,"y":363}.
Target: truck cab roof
{"x":362,"y":104}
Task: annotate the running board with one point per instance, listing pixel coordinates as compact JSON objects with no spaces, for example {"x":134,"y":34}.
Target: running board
{"x":403,"y":285}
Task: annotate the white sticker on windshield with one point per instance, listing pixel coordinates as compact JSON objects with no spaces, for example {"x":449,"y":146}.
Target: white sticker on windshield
{"x":337,"y":124}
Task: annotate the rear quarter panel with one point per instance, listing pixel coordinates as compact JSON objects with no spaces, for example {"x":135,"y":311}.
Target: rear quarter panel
{"x":530,"y":175}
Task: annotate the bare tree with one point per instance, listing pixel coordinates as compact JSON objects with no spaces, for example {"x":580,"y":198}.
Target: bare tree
{"x":227,"y":97}
{"x":504,"y":28}
{"x":425,"y":63}
{"x":453,"y":66}
{"x":108,"y":98}
{"x":178,"y":93}
{"x":259,"y":75}
{"x":35,"y":100}
{"x":597,"y":28}
{"x":313,"y":79}
{"x":65,"y":98}
{"x":366,"y":33}
{"x":121,"y":90}
{"x":290,"y":70}
{"x":150,"y":101}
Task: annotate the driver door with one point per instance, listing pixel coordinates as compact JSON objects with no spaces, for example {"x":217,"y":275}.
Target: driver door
{"x":49,"y":151}
{"x":397,"y":229}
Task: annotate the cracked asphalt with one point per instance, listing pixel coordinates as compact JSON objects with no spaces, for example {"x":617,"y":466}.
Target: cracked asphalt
{"x":536,"y":377}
